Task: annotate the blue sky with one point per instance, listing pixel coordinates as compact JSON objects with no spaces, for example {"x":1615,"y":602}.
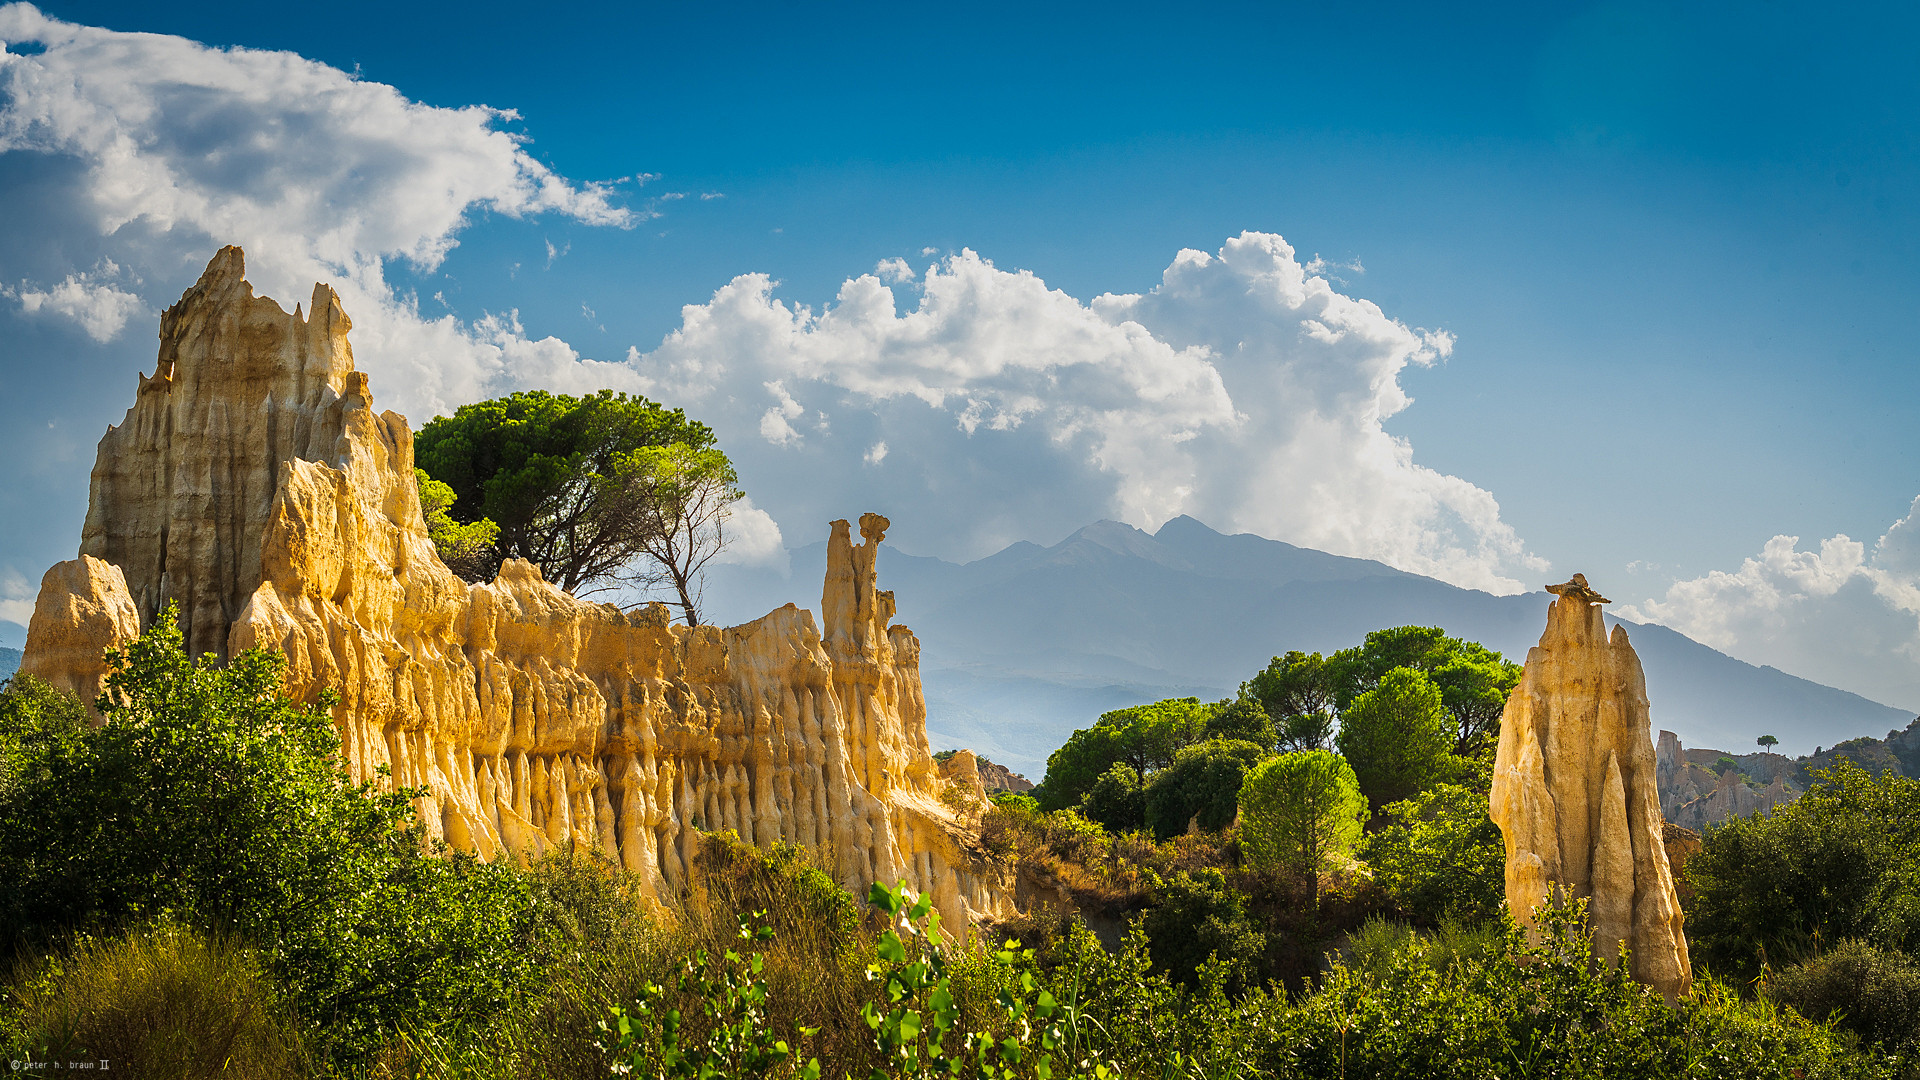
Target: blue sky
{"x":1670,"y":249}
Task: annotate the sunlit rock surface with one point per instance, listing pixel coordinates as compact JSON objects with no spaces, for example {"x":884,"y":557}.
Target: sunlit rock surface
{"x":1574,"y":792}
{"x":253,"y":482}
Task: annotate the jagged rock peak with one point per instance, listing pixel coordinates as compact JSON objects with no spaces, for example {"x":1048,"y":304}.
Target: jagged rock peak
{"x":1575,"y":792}
{"x":252,"y":482}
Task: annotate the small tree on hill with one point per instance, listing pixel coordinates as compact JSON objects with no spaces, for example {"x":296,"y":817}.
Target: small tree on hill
{"x":1767,"y":743}
{"x":1300,"y":812}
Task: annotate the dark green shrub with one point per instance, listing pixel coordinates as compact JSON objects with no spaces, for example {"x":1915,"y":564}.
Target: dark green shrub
{"x":1197,"y":916}
{"x":1202,"y":784}
{"x":1842,"y":861}
{"x":208,"y":797}
{"x":1872,"y":992}
{"x":1117,"y":800}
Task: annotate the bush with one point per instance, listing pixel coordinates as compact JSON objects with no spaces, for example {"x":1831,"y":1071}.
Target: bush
{"x":1117,"y":800}
{"x":161,"y":1001}
{"x":208,"y":796}
{"x":1196,"y":917}
{"x":1202,"y":785}
{"x":1872,"y":992}
{"x":1441,"y":856}
{"x":1842,"y":861}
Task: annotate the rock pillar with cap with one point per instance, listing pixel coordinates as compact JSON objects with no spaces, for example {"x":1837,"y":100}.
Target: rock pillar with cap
{"x":1575,"y":793}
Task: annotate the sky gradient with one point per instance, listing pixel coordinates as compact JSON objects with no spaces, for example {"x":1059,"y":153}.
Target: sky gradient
{"x":1640,"y":269}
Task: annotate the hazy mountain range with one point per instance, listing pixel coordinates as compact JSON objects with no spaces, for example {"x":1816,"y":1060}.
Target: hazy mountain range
{"x":9,"y":662}
{"x":1020,"y":648}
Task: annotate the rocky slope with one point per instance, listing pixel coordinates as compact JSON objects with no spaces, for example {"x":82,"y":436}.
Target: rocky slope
{"x":253,"y":482}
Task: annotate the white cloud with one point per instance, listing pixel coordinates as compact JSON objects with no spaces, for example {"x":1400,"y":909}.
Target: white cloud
{"x":101,"y":308}
{"x":1242,"y":390}
{"x":876,"y":453}
{"x":753,"y":538}
{"x":894,"y":271}
{"x":318,"y":175}
{"x":17,"y":595}
{"x":1835,"y":615}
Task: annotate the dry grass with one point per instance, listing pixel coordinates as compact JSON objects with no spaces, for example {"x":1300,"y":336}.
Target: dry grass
{"x":160,"y":1002}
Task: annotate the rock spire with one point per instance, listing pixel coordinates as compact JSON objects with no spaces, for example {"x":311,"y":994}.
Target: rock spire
{"x":252,"y":482}
{"x":1575,"y":792}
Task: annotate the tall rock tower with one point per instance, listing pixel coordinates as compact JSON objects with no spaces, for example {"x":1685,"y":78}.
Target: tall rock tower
{"x":1575,"y":793}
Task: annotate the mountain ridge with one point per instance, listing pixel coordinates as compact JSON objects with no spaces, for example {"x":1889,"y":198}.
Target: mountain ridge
{"x":1021,"y":647}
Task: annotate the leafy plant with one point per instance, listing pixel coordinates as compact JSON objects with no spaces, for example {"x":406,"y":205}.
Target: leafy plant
{"x":736,"y":1042}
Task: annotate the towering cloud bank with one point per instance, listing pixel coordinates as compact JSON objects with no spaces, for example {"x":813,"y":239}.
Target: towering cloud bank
{"x":1244,"y":390}
{"x":253,"y":483}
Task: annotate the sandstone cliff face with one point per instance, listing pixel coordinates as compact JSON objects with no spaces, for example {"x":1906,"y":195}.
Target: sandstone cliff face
{"x":1574,"y":792}
{"x":252,"y":482}
{"x":1693,"y":796}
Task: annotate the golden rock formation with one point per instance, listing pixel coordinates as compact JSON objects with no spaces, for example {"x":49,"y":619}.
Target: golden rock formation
{"x":253,"y":483}
{"x":1574,"y":792}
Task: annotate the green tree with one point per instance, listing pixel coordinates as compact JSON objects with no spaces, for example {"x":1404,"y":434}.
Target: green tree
{"x":1202,"y":784}
{"x":1767,"y":743}
{"x":677,"y":500}
{"x":1300,"y":813}
{"x":206,"y":796}
{"x":1398,"y":737}
{"x":1441,"y":856}
{"x":557,"y":474}
{"x":1241,"y":718}
{"x":1117,"y":800}
{"x":1474,"y":680}
{"x":467,"y":549}
{"x":1297,"y":691}
{"x":1145,"y":737}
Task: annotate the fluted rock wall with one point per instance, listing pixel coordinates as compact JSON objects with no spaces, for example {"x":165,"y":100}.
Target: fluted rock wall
{"x":252,"y":482}
{"x":1575,"y":793}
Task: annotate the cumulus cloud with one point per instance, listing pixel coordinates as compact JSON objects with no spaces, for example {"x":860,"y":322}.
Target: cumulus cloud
{"x":319,"y":175}
{"x":101,"y":308}
{"x":17,"y":595}
{"x":1838,"y":615}
{"x":1243,"y":390}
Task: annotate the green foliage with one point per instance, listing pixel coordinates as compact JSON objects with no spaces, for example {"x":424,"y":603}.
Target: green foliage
{"x":674,"y":501}
{"x":1297,"y":692}
{"x":37,"y":724}
{"x":547,"y":469}
{"x":917,"y":1022}
{"x":467,"y":549}
{"x":1241,"y":718}
{"x":1541,"y":1011}
{"x":1397,"y":736}
{"x":1202,"y":785}
{"x":1842,"y":861}
{"x":1118,"y":801}
{"x":1301,"y":812}
{"x":1767,"y":743}
{"x":1196,"y":917}
{"x":1874,"y":993}
{"x":161,"y":1001}
{"x":1441,"y":856}
{"x":1380,"y":945}
{"x":736,"y":1040}
{"x":206,"y":796}
{"x":1145,"y":737}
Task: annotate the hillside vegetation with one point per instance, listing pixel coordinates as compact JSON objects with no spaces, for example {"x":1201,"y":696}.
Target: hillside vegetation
{"x":196,"y":888}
